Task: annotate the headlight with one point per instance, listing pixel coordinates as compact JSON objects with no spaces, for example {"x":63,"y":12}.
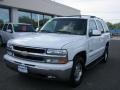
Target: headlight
{"x":56,"y":52}
{"x":9,"y":49}
{"x":9,"y":46}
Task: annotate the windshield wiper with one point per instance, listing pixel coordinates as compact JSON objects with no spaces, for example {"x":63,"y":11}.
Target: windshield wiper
{"x":45,"y":31}
{"x":64,"y":32}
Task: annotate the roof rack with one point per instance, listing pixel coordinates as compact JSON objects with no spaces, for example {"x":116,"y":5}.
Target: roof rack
{"x":73,"y":16}
{"x":90,"y":16}
{"x":81,"y":16}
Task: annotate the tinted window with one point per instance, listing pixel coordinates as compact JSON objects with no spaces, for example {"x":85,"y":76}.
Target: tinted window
{"x":100,"y":27}
{"x":66,"y":26}
{"x":5,"y":27}
{"x":92,"y":25}
{"x":23,"y":28}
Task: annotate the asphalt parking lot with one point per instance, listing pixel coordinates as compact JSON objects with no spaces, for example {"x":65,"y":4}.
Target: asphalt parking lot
{"x":101,"y":77}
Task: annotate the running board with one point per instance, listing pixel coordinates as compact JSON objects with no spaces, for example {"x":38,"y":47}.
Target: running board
{"x":94,"y":63}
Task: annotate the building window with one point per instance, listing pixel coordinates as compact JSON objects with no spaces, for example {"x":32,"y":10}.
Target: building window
{"x":25,"y":17}
{"x":4,"y":16}
{"x":47,"y":17}
{"x":41,"y":22}
{"x":37,"y":20}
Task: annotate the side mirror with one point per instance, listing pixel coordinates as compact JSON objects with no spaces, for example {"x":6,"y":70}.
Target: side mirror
{"x":95,"y":33}
{"x":37,"y":29}
{"x":9,"y":30}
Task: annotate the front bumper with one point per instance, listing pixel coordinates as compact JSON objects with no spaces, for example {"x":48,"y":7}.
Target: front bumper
{"x":60,"y":71}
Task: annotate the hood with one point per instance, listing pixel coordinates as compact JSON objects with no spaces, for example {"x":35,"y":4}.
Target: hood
{"x":46,"y":40}
{"x":22,"y":34}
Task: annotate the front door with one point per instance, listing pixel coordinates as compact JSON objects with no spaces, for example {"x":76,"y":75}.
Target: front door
{"x":3,"y":33}
{"x":93,"y":42}
{"x":9,"y":33}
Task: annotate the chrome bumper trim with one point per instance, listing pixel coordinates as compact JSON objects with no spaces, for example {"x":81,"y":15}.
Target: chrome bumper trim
{"x":60,"y":71}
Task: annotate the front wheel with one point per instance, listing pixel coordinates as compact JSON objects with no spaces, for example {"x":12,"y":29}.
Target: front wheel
{"x":77,"y":72}
{"x":1,"y":42}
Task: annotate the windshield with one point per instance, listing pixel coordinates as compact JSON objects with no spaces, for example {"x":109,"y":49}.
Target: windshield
{"x":23,"y":28}
{"x":66,"y":26}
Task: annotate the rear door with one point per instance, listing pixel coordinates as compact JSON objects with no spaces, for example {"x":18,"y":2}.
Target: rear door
{"x":106,"y":32}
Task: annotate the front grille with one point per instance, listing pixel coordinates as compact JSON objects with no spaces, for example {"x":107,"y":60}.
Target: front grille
{"x":29,"y":50}
{"x":32,"y":58}
{"x":32,"y":50}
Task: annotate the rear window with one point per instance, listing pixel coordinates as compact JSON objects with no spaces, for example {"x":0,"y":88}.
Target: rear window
{"x":23,"y":28}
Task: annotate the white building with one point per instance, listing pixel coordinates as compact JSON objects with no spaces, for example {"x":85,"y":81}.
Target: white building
{"x":33,"y":11}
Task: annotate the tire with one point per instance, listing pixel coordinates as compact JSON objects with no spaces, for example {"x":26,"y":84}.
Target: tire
{"x":77,"y":72}
{"x":105,"y":55}
{"x":1,"y":42}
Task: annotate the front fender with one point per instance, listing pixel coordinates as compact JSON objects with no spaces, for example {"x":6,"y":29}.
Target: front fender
{"x":75,"y":48}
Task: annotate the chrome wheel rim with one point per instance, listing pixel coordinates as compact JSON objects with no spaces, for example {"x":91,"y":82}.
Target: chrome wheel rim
{"x":78,"y":72}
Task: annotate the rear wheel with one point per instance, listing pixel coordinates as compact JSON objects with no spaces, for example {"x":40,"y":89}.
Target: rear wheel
{"x":105,"y":55}
{"x":77,"y":72}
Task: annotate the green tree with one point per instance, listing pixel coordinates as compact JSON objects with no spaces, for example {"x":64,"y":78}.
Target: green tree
{"x":117,"y":26}
{"x":113,"y":26}
{"x":110,"y":25}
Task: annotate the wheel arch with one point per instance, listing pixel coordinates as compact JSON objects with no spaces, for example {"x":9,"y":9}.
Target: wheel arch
{"x":108,"y":43}
{"x":83,"y":54}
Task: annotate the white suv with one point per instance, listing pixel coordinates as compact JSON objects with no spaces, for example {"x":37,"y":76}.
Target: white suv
{"x":64,"y":47}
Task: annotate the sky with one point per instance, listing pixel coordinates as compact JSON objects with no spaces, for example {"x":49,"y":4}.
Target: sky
{"x":109,"y":10}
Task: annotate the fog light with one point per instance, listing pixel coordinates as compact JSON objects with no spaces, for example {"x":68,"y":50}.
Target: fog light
{"x":57,"y":60}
